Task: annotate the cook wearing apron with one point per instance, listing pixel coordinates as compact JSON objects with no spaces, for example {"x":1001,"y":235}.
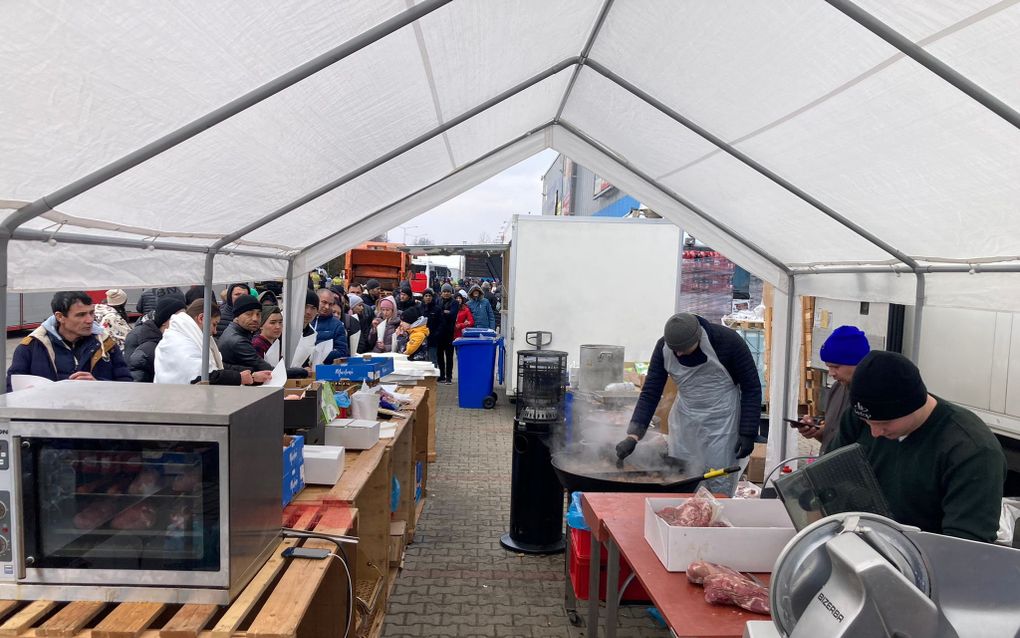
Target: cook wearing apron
{"x":718,"y":392}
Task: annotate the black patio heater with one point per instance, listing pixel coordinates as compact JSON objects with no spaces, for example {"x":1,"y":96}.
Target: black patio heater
{"x":536,"y":496}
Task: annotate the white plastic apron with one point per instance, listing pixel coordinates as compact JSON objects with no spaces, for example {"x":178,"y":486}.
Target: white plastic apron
{"x":705,"y":418}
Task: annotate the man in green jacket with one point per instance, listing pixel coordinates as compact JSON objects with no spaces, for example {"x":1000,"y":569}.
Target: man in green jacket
{"x":939,"y":466}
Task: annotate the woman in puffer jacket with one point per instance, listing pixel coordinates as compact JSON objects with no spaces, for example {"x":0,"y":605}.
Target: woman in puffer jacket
{"x":464,"y":317}
{"x":384,"y":325}
{"x":481,"y":309}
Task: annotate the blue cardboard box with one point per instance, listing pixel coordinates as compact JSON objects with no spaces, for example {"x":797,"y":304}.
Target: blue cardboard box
{"x":356,"y":369}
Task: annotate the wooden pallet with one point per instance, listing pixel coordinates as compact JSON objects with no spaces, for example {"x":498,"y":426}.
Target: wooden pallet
{"x":283,"y":600}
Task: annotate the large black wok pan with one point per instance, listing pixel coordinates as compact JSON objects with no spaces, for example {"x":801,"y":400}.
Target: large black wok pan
{"x":574,"y":480}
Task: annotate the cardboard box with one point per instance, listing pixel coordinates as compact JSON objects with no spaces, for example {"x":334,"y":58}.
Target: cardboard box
{"x":356,"y":369}
{"x":761,"y":529}
{"x":293,"y":467}
{"x":303,"y":415}
{"x":352,"y":434}
{"x":324,"y":464}
{"x":756,"y":464}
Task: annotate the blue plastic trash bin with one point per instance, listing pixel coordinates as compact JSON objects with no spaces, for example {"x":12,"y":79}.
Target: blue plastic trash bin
{"x":476,"y":360}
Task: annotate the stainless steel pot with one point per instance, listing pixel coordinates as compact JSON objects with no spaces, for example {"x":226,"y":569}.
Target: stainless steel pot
{"x":600,"y":366}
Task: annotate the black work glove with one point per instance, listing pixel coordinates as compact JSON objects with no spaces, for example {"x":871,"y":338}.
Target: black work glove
{"x":625,"y":448}
{"x":745,"y":445}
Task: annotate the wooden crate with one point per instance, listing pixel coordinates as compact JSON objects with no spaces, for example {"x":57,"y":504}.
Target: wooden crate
{"x":286,"y":599}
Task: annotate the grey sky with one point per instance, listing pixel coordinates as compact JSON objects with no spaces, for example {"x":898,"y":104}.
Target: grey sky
{"x":484,"y":208}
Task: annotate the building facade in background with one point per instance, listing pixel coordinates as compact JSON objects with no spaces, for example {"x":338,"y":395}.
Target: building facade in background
{"x":571,"y":189}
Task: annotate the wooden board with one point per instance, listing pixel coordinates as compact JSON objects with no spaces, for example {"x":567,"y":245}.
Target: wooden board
{"x":70,"y":620}
{"x":188,"y":621}
{"x":25,"y":618}
{"x":128,"y":620}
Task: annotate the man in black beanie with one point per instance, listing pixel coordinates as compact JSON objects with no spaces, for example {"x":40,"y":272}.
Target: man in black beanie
{"x":235,"y":342}
{"x":939,"y":466}
{"x":714,"y":420}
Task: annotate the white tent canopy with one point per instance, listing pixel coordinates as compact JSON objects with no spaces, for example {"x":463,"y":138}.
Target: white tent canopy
{"x":825,"y":146}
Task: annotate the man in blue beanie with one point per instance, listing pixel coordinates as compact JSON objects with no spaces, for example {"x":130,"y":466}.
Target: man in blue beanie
{"x":841,"y":353}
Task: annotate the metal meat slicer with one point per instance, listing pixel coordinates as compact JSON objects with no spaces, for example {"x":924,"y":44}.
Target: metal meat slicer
{"x":860,"y":574}
{"x":853,"y":572}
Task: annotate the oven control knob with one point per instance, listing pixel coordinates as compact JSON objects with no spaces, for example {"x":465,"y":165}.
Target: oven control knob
{"x":3,"y":544}
{"x":3,"y":510}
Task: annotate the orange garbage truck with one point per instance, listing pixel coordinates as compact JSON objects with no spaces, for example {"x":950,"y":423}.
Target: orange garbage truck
{"x":382,"y":261}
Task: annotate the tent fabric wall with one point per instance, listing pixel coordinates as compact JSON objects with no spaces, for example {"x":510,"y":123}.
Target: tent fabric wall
{"x":815,"y":100}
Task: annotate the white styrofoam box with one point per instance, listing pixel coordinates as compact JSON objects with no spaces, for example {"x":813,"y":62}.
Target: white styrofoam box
{"x":353,"y":434}
{"x":761,"y":529}
{"x":324,"y":464}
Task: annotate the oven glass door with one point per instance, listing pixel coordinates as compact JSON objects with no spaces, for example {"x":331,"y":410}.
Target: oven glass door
{"x":121,"y":504}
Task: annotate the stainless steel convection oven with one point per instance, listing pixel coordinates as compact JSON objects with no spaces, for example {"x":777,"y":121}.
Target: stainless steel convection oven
{"x":131,"y":491}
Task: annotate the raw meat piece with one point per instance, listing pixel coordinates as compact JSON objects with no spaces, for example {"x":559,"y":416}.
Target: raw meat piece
{"x":701,"y":569}
{"x":146,"y":483}
{"x":137,"y":517}
{"x":696,"y":512}
{"x":180,"y":519}
{"x":739,"y":590}
{"x":94,"y":515}
{"x":189,"y":481}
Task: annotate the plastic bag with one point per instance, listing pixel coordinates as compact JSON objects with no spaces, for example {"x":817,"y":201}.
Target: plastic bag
{"x":575,"y":516}
{"x":747,"y":489}
{"x":1007,"y":521}
{"x":702,"y":510}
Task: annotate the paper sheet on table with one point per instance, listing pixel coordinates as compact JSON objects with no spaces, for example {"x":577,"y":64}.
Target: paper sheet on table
{"x":303,"y":350}
{"x":387,"y":430}
{"x":321,"y":351}
{"x":392,"y":391}
{"x":279,"y":377}
{"x":26,"y":381}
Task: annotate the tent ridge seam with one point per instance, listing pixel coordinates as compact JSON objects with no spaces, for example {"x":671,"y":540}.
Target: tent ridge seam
{"x":600,"y":20}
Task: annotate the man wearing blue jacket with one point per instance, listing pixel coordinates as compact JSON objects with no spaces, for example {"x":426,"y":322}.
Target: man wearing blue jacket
{"x":714,"y":420}
{"x":70,"y":345}
{"x":328,"y":328}
{"x":481,"y":309}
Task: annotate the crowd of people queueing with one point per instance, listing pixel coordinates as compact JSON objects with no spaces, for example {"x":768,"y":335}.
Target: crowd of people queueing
{"x":87,"y":341}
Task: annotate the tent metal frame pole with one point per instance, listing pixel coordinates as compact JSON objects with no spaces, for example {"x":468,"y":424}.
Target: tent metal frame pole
{"x":748,"y":161}
{"x":5,"y":244}
{"x":400,"y":150}
{"x":421,"y":190}
{"x":678,"y":198}
{"x":285,"y":343}
{"x":925,"y":269}
{"x":791,"y":332}
{"x":212,"y":118}
{"x":25,"y":234}
{"x":585,"y":51}
{"x":927,"y":60}
{"x":915,"y":352}
{"x":207,"y":301}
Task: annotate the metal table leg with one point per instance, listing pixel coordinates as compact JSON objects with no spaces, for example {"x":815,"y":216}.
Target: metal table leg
{"x":612,"y":588}
{"x":593,"y":588}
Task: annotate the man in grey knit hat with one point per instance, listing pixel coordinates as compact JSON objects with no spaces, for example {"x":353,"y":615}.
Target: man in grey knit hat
{"x":714,"y":419}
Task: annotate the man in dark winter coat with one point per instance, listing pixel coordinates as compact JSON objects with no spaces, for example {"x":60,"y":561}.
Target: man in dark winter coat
{"x":69,"y":345}
{"x":447,"y":309}
{"x":147,"y":302}
{"x":373,"y":293}
{"x":714,"y":420}
{"x":430,"y":309}
{"x":141,"y":342}
{"x":328,"y":328}
{"x":405,"y":298}
{"x":227,"y":307}
{"x":235,"y":342}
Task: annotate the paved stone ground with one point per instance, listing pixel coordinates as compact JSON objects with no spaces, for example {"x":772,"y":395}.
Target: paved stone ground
{"x":457,"y":580}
